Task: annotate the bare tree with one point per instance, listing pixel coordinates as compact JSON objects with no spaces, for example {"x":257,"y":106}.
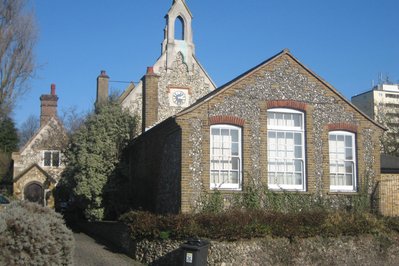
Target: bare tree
{"x":17,"y":39}
{"x":72,"y":119}
{"x":28,"y":129}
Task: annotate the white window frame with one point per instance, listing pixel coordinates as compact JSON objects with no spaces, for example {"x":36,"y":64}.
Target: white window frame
{"x":344,"y":188}
{"x":287,"y":129}
{"x":51,"y":159}
{"x":229,"y":186}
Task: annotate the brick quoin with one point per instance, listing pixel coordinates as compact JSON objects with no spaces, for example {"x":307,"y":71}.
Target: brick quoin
{"x":287,"y":104}
{"x":342,"y":126}
{"x":226,"y":119}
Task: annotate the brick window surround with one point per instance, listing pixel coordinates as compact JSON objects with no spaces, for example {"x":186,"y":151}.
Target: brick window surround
{"x":343,"y":127}
{"x":291,"y":104}
{"x":226,"y":119}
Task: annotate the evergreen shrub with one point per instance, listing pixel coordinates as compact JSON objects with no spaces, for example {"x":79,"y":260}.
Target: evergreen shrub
{"x":34,"y":235}
{"x":246,"y":224}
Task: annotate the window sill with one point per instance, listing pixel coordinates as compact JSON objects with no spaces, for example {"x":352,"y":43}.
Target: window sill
{"x":288,"y":191}
{"x":342,"y":192}
{"x":225,"y":189}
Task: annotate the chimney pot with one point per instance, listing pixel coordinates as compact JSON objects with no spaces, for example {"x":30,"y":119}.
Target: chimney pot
{"x":53,"y":89}
{"x":150,"y":70}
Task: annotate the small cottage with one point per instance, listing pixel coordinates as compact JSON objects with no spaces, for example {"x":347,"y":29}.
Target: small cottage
{"x":38,"y":165}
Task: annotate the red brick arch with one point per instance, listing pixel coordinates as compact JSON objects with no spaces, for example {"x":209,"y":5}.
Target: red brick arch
{"x":342,"y":126}
{"x":226,"y":119}
{"x":287,"y":104}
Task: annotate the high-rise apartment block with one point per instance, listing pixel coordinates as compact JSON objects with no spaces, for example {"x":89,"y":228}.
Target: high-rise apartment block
{"x":382,"y":100}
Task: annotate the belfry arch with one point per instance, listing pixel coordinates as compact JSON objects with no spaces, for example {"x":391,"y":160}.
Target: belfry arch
{"x":179,"y":28}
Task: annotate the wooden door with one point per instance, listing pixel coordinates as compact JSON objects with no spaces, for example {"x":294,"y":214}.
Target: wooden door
{"x":34,"y":193}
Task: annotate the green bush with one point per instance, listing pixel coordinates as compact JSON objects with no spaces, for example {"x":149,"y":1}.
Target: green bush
{"x":92,"y":174}
{"x":246,"y":224}
{"x":34,"y":235}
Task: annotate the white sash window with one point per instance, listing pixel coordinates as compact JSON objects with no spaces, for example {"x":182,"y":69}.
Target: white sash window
{"x":342,"y":152}
{"x":286,"y":149}
{"x":225,"y":168}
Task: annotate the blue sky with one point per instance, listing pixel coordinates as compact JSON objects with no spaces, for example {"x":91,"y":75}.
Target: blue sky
{"x":346,"y":42}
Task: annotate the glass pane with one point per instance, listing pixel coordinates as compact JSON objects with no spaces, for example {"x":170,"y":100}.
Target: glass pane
{"x":289,"y":167}
{"x":215,"y":131}
{"x":340,"y":138}
{"x":348,"y":167}
{"x":226,"y":152}
{"x":340,"y":167}
{"x":298,"y":139}
{"x":333,"y":168}
{"x":56,"y":159}
{"x":234,"y":163}
{"x":289,"y":179}
{"x":298,"y":166}
{"x":297,"y":120}
{"x":234,"y":135}
{"x":298,"y":152}
{"x":270,"y":118}
{"x":225,"y":132}
{"x":333,"y":137}
{"x":272,"y":134}
{"x":333,"y":180}
{"x":348,"y":154}
{"x":47,"y":158}
{"x":225,"y":176}
{"x":298,"y":179}
{"x":234,"y":149}
{"x":349,"y":180}
{"x":234,"y":177}
{"x":280,"y":166}
{"x":288,"y":120}
{"x":348,"y":141}
{"x":272,"y":166}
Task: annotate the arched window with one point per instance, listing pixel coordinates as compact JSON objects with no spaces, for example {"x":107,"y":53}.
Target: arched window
{"x":342,"y":153}
{"x":179,"y":28}
{"x":225,"y":151}
{"x":286,"y":149}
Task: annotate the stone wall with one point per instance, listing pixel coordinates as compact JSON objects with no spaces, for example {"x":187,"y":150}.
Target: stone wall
{"x":154,"y":160}
{"x":389,"y":194}
{"x":363,"y":250}
{"x":345,"y":250}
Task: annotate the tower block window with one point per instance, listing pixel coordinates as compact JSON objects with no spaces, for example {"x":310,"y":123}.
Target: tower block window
{"x":179,"y":28}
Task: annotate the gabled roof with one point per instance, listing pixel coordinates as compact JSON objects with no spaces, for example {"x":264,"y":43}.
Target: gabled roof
{"x":184,"y":4}
{"x":126,"y":92}
{"x":35,"y":165}
{"x":284,"y":52}
{"x":39,"y":131}
{"x":204,"y":71}
{"x":389,"y":164}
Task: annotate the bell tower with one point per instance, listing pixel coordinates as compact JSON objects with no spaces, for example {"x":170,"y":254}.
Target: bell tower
{"x":176,"y":80}
{"x":178,"y":34}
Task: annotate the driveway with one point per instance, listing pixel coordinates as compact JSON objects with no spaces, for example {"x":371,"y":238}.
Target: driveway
{"x":91,"y":252}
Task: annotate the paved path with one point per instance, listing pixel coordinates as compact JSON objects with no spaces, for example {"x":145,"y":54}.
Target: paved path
{"x":90,"y":252}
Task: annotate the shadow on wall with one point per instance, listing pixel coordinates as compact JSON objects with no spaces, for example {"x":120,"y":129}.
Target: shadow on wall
{"x":172,"y":258}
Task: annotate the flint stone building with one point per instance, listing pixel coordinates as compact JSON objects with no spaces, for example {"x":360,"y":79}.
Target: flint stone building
{"x":38,"y":165}
{"x":278,"y":125}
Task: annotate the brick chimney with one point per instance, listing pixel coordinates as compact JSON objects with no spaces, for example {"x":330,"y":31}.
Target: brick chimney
{"x":102,"y":88}
{"x":150,"y":98}
{"x":48,"y":107}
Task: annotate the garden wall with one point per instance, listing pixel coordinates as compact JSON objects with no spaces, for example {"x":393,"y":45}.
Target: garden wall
{"x":345,"y":250}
